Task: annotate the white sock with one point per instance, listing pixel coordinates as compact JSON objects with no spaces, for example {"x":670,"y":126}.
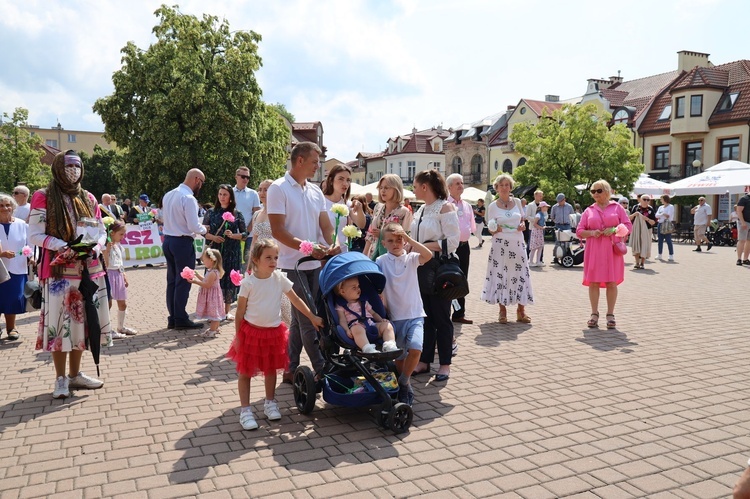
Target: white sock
{"x":121,"y":319}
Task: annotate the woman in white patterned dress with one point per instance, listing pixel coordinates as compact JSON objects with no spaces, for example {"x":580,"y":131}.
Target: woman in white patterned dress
{"x":262,"y":230}
{"x":508,"y":280}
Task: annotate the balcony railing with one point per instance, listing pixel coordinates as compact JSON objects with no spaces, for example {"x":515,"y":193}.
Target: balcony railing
{"x":677,"y":172}
{"x":473,"y":178}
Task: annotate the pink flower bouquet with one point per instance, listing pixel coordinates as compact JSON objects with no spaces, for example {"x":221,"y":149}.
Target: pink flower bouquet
{"x":188,"y":274}
{"x":235,"y":277}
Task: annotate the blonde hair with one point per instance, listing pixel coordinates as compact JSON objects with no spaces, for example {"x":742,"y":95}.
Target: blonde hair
{"x":215,"y":256}
{"x":503,"y":177}
{"x":394,"y":182}
{"x":340,"y":285}
{"x":392,"y":227}
{"x":603,"y":184}
{"x":258,"y":249}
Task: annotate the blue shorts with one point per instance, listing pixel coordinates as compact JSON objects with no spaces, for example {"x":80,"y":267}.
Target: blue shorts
{"x":409,"y":334}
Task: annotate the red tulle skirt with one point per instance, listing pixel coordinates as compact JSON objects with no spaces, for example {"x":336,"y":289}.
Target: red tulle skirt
{"x":260,"y":349}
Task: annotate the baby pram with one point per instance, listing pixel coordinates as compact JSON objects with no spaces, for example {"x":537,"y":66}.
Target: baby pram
{"x":350,"y":378}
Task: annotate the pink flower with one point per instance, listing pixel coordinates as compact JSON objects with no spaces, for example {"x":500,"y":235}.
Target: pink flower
{"x":81,"y":345}
{"x":306,"y":248}
{"x":154,"y":212}
{"x":228,"y":217}
{"x":187,"y":274}
{"x":27,"y":251}
{"x":621,"y":230}
{"x":57,"y":345}
{"x":73,"y":303}
{"x":235,"y":277}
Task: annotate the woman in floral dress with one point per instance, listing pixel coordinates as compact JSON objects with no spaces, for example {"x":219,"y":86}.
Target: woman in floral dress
{"x":226,"y":236}
{"x":55,"y":214}
{"x":508,"y":280}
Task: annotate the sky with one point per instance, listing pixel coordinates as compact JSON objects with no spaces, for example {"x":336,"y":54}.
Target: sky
{"x":369,"y":70}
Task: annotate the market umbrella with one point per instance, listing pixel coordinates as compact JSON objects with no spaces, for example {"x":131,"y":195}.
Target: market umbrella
{"x":372,"y":188}
{"x":651,"y":186}
{"x":88,"y":289}
{"x":472,"y":195}
{"x":728,"y":177}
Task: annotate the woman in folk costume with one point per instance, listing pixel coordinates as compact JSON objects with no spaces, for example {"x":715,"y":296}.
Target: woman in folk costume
{"x":58,"y":214}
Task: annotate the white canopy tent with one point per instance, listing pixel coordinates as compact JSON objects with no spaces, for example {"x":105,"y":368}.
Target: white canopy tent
{"x":357,"y":189}
{"x":472,"y":195}
{"x":651,"y":186}
{"x":728,"y":177}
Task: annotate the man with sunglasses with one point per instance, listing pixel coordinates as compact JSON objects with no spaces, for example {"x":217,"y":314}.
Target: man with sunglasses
{"x":21,"y":197}
{"x":248,"y":202}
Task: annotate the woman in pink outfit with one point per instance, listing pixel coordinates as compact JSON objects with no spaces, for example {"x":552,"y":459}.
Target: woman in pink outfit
{"x":602,"y":267}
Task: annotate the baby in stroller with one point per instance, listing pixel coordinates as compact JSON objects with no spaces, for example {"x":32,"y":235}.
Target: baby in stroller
{"x":360,"y":321}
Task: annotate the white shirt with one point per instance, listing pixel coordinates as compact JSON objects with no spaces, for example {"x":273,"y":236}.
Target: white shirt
{"x":264,"y":298}
{"x":181,"y":213}
{"x":665,"y":210}
{"x":531,"y":210}
{"x":246,"y":200}
{"x":14,"y":241}
{"x":401,"y":285}
{"x":702,"y":214}
{"x":301,"y":206}
{"x":22,"y":212}
{"x":431,"y":225}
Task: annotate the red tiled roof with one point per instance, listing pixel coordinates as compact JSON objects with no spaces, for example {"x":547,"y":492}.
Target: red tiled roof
{"x":305,"y":125}
{"x":741,"y":109}
{"x":500,"y":136}
{"x":538,"y":106}
{"x":702,"y":77}
{"x":419,"y":142}
{"x":49,"y":154}
{"x":370,"y":155}
{"x":616,"y":98}
{"x":644,"y":87}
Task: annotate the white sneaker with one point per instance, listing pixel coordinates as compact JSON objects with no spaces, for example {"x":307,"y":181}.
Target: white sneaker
{"x":389,"y":346}
{"x":229,"y":317}
{"x":61,"y":388}
{"x":84,"y":381}
{"x":116,"y":335}
{"x":271,"y":410}
{"x":127,"y":331}
{"x":247,"y":420}
{"x":369,"y":348}
{"x":671,"y":258}
{"x":658,"y":257}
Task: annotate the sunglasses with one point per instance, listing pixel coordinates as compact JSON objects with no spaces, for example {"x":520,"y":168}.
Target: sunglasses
{"x":597,"y":191}
{"x":17,"y":193}
{"x":244,"y":177}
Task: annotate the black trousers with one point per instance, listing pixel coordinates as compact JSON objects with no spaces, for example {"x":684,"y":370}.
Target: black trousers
{"x":464,"y":254}
{"x":438,"y":329}
{"x":179,"y":253}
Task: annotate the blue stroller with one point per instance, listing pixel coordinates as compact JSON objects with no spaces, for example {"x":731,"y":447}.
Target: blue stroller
{"x":349,"y":377}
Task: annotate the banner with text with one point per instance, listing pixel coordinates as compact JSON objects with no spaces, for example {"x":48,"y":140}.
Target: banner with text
{"x":142,"y":245}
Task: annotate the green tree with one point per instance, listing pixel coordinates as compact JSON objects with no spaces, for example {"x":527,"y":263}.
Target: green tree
{"x":192,"y":100}
{"x":574,"y":145}
{"x":102,"y":171}
{"x":282,"y":110}
{"x":20,"y":154}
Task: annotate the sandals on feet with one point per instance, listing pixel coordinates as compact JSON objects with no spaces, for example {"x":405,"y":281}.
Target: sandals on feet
{"x":594,"y":320}
{"x":611,"y":324}
{"x":502,"y":317}
{"x":523,"y":318}
{"x":210,"y":333}
{"x":13,"y":334}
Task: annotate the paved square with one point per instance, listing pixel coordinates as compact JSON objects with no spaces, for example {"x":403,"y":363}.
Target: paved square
{"x":657,"y":408}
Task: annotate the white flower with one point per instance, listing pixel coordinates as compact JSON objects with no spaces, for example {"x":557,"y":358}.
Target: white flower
{"x":492,"y":225}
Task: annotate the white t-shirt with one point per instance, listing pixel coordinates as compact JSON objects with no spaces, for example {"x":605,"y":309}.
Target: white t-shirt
{"x":702,"y":214}
{"x":343,"y":222}
{"x":663,"y":211}
{"x":302,"y":207}
{"x":401,"y":285}
{"x":264,"y":298}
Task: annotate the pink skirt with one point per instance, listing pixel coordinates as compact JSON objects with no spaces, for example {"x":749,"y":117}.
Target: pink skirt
{"x":117,"y":285}
{"x":260,"y":349}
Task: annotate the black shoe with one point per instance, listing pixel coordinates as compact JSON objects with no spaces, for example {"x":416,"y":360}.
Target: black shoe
{"x":708,"y":248}
{"x":170,"y":325}
{"x":187,"y":325}
{"x":745,"y":262}
{"x":698,"y":249}
{"x":739,"y":263}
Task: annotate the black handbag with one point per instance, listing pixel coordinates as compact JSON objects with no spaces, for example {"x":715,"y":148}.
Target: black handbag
{"x":442,"y":276}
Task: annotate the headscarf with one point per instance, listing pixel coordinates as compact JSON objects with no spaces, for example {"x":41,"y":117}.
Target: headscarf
{"x":61,"y":222}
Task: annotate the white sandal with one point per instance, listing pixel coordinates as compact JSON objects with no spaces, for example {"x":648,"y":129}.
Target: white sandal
{"x":127,"y":331}
{"x":210,"y":333}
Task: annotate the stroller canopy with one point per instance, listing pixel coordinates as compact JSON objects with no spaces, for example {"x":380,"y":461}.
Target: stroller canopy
{"x":346,"y":265}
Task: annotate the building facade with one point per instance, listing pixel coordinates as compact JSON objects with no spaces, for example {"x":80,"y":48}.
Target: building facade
{"x":406,"y":155}
{"x":306,"y":131}
{"x":62,"y":139}
{"x":467,"y":150}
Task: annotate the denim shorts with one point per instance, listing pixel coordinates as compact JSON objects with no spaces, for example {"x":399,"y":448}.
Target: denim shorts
{"x":409,"y":334}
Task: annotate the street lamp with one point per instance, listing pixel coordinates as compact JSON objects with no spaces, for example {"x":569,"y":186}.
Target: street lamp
{"x":697,"y":166}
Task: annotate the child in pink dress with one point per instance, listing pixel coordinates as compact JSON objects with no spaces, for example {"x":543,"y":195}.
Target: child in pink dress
{"x":210,"y":299}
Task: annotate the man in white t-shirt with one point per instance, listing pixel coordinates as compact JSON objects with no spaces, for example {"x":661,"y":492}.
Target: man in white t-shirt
{"x":701,"y":219}
{"x":403,"y":301}
{"x":297,"y":213}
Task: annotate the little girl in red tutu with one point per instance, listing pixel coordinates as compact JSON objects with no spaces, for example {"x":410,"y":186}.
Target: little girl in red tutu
{"x":260,"y":342}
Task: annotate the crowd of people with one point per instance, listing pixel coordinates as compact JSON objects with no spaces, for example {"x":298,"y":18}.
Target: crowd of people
{"x":76,"y":252}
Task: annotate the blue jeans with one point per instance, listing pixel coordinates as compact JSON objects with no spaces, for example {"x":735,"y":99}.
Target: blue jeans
{"x":660,"y":241}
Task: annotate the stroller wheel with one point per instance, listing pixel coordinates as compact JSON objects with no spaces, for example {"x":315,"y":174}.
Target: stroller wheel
{"x":567,"y":261}
{"x":305,"y":389}
{"x":400,"y":417}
